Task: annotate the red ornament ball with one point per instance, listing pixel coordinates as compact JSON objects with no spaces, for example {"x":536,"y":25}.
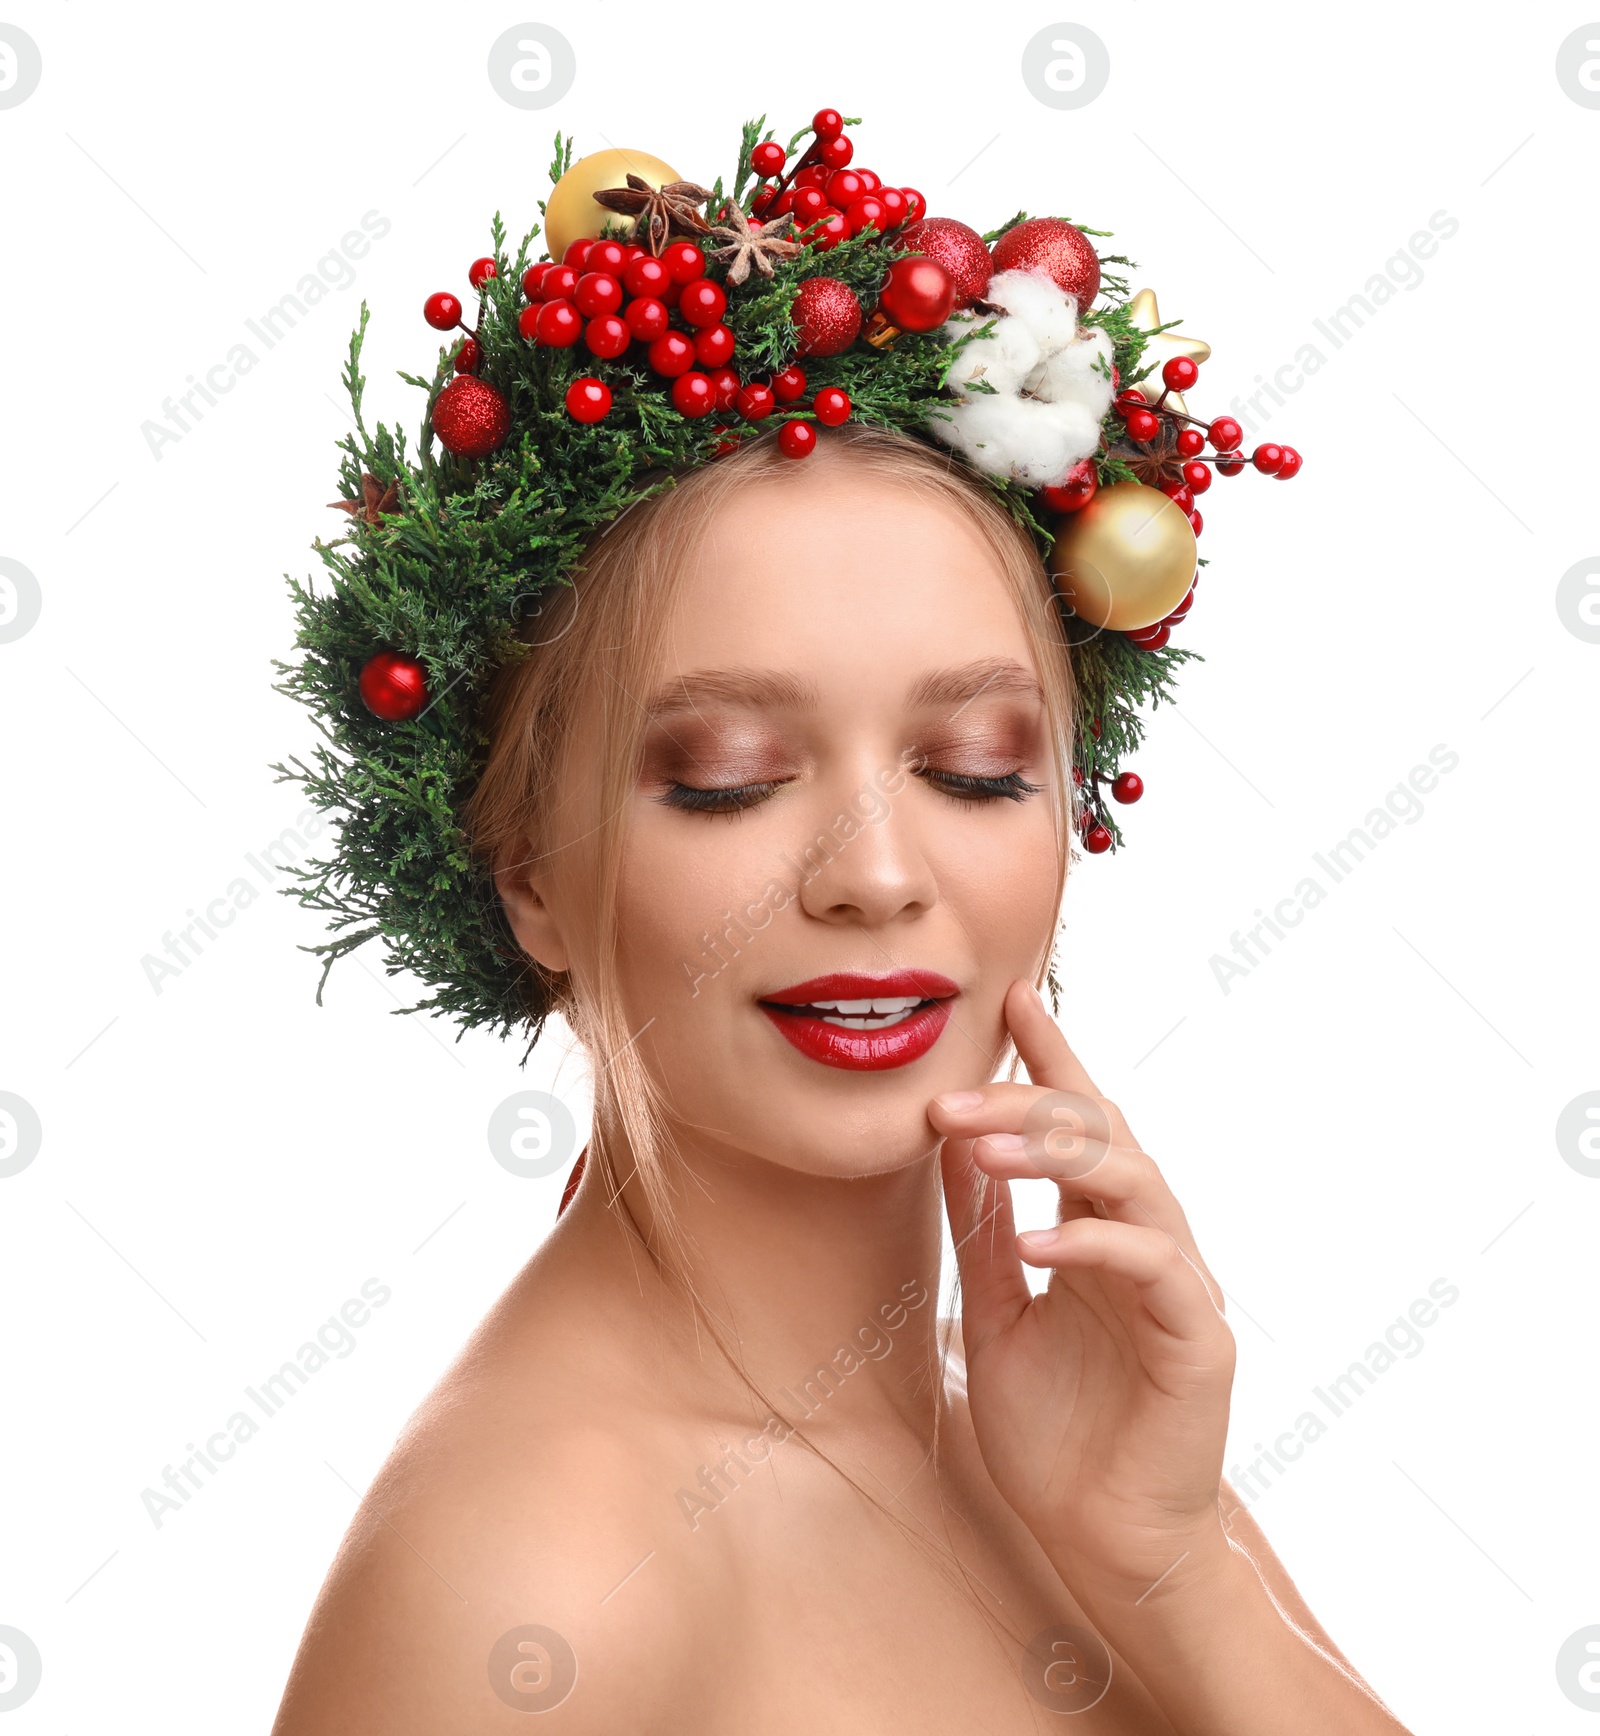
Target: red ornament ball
{"x":918,"y":293}
{"x":1097,"y":840}
{"x":831,"y":406}
{"x":468,"y":356}
{"x":826,"y":315}
{"x":692,"y":394}
{"x":442,"y":311}
{"x":1128,"y":787}
{"x":393,"y":686}
{"x":768,"y":158}
{"x":1079,"y":488}
{"x":480,"y":271}
{"x":470,"y":417}
{"x":588,"y":400}
{"x":1063,"y":253}
{"x":797,"y":439}
{"x":957,"y":248}
{"x":789,"y":384}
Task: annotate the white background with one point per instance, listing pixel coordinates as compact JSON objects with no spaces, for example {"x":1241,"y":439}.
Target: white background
{"x":1368,"y":1110}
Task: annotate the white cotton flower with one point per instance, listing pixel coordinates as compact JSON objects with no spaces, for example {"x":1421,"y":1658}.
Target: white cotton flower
{"x":1051,"y":381}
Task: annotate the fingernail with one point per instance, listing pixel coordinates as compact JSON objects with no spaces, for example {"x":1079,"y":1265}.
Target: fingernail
{"x":1037,"y":1238}
{"x":1006,"y":1144}
{"x":955,"y":1101}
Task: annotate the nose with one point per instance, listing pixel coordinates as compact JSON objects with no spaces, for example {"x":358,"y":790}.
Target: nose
{"x":864,"y":866}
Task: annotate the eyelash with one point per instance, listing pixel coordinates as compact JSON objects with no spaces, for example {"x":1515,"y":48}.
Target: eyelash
{"x":968,"y":790}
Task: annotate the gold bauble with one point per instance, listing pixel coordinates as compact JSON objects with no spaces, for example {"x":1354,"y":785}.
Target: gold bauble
{"x":570,"y":213}
{"x":1126,"y":559}
{"x":1161,"y":348}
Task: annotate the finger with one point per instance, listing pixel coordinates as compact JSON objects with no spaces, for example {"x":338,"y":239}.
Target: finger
{"x":1122,"y":1176}
{"x":994,"y":1288}
{"x":1176,"y":1295}
{"x":1045,"y":1051}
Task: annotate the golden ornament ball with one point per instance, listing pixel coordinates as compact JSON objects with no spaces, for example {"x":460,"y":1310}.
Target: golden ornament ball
{"x":1126,"y":559}
{"x":570,"y":213}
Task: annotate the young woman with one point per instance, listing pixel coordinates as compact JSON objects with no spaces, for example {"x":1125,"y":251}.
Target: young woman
{"x":707,"y":1466}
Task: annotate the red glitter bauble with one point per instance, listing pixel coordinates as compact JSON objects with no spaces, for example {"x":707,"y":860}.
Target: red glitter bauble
{"x":826,"y":316}
{"x":393,"y":687}
{"x":470,"y":417}
{"x":957,"y":248}
{"x":1058,"y":250}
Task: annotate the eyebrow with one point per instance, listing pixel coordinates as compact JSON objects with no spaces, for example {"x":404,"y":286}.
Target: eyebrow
{"x":958,"y":686}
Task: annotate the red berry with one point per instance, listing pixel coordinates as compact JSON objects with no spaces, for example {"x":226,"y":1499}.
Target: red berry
{"x":607,"y":337}
{"x":1230,"y":466}
{"x":845,"y":188}
{"x":827,"y":124}
{"x":1077,"y":490}
{"x":783,"y":204}
{"x":916,"y":205}
{"x":577,"y":251}
{"x":1097,"y":840}
{"x":393,"y":687}
{"x":702,"y":303}
{"x":533,"y":280}
{"x":480,"y":271}
{"x":671,"y":354}
{"x":693,"y":395}
{"x":1128,"y":787}
{"x":588,"y":399}
{"x":828,"y":231}
{"x":1179,"y":374}
{"x":1290,"y":466}
{"x":645,"y":276}
{"x":1267,"y":459}
{"x":1197,"y":475}
{"x":470,"y":417}
{"x":797,"y":439}
{"x":895,"y":209}
{"x":1191,"y":442}
{"x":1225,"y":434}
{"x":713,"y":346}
{"x":528,"y":322}
{"x":1151,"y":638}
{"x":1181,"y":497}
{"x":1182,"y":609}
{"x":1142,"y":425}
{"x":1196,"y":522}
{"x":724,"y":388}
{"x":867,"y":212}
{"x":468,"y":356}
{"x":765,"y":194}
{"x":598,"y":292}
{"x":872,"y":181}
{"x":1129,"y":398}
{"x":754,"y":402}
{"x":918,"y":293}
{"x":608,"y":256}
{"x":1077,"y":774}
{"x":442,"y":311}
{"x":831,"y":406}
{"x":812,"y":175}
{"x":768,"y":158}
{"x":836,"y":153}
{"x":684,"y":261}
{"x":646,"y":318}
{"x":789,"y":385}
{"x":809,"y":204}
{"x":557,"y":324}
{"x":631,"y":253}
{"x":558,"y":283}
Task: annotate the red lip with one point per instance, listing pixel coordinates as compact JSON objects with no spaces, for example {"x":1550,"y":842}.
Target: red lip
{"x":863,"y":1051}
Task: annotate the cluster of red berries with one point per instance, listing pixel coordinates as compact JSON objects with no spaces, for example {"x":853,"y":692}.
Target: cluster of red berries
{"x":1125,"y":787}
{"x":829,"y":200}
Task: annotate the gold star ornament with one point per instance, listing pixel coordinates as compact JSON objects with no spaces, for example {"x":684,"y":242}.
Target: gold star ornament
{"x":1161,"y":348}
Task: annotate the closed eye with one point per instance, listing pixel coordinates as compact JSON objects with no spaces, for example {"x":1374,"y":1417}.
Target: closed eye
{"x":968,"y":789}
{"x":732,"y":799}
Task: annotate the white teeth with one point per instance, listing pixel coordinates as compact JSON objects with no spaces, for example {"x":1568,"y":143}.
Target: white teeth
{"x":883,"y":1004}
{"x":848,"y":1023}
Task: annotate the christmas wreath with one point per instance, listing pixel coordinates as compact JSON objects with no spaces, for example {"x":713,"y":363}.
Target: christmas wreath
{"x":665,"y":322}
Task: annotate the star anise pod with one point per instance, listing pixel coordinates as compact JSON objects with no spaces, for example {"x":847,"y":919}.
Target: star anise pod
{"x":1154,"y":461}
{"x":746,"y":244}
{"x":375,"y":500}
{"x":658,"y":213}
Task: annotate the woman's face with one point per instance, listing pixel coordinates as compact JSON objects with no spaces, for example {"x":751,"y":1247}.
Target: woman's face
{"x":846,"y":796}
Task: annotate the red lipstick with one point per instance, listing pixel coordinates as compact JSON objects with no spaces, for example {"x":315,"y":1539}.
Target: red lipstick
{"x":865,"y":1023}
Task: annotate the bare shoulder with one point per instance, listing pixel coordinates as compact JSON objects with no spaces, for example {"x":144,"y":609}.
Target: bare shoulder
{"x":517,"y":1552}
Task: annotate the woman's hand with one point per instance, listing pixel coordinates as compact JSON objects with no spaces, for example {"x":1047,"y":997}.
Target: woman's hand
{"x":1100,"y":1406}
